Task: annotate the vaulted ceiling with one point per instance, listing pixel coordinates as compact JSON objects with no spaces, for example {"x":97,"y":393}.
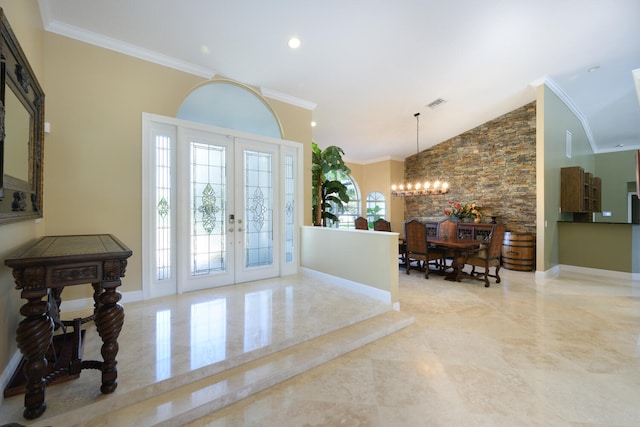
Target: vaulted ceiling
{"x":366,"y":67}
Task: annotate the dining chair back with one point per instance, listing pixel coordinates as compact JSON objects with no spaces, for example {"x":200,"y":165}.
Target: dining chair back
{"x":447,"y":229}
{"x":362,"y":223}
{"x":417,"y":250}
{"x":382,"y":224}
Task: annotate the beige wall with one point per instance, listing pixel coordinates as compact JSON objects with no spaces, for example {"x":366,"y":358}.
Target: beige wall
{"x":95,"y":106}
{"x":93,"y":161}
{"x":24,"y":19}
{"x":92,"y":168}
{"x":379,"y":176}
{"x":362,"y":256}
{"x":296,"y":125}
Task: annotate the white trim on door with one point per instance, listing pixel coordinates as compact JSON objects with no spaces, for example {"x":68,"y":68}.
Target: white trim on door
{"x":287,"y":197}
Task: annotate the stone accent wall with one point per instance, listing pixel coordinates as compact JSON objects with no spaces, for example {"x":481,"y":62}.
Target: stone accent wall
{"x":493,"y":165}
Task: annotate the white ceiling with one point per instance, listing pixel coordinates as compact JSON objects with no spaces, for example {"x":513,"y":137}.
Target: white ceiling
{"x":367,"y":66}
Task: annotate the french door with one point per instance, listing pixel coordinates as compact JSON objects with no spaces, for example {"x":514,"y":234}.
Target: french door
{"x":231,"y":203}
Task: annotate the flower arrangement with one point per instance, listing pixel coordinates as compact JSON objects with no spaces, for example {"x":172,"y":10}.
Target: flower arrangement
{"x":468,"y":210}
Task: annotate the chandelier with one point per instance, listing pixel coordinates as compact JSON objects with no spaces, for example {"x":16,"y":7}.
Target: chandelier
{"x":419,"y":188}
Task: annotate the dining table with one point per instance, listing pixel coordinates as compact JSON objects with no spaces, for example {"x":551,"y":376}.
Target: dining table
{"x":460,"y":249}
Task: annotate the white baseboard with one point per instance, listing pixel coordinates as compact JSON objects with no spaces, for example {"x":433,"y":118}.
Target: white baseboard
{"x":361,"y":288}
{"x":8,"y":371}
{"x":560,"y":268}
{"x":611,"y":274}
{"x":87,"y":303}
{"x":548,"y":274}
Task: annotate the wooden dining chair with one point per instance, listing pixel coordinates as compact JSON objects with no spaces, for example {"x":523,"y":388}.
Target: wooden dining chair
{"x":382,"y":224}
{"x":417,"y":249}
{"x":488,"y":256}
{"x":447,"y":230}
{"x":362,"y":223}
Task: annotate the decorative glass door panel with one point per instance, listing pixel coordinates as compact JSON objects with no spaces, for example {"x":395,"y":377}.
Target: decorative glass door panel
{"x":159,"y":203}
{"x":208,"y":194}
{"x":205,"y":234}
{"x":289,"y":207}
{"x":256,"y":186}
{"x":258,"y":193}
{"x":219,"y":207}
{"x":230,"y":213}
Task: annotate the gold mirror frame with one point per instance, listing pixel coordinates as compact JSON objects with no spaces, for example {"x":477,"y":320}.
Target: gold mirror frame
{"x":20,"y":196}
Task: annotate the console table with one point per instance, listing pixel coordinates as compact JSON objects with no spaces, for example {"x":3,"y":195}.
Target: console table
{"x":43,"y":270}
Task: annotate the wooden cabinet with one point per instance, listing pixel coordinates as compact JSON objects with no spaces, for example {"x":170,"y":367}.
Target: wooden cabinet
{"x":432,"y":229}
{"x":580,"y":193}
{"x":572,"y":189}
{"x":471,"y":230}
{"x":464,"y":230}
{"x":596,"y":194}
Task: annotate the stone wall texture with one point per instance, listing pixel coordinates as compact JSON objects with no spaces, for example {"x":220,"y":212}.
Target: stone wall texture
{"x":493,"y":165}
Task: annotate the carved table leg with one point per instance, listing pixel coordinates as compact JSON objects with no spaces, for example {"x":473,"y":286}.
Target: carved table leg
{"x":109,"y":321}
{"x":97,"y":290}
{"x":33,"y":336}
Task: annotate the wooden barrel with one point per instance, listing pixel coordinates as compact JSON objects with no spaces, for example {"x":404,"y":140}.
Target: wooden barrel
{"x":518,"y":251}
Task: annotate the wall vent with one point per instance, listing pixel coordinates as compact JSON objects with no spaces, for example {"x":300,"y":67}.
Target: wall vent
{"x":436,"y":103}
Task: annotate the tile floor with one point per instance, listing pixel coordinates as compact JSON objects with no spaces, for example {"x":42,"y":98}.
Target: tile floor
{"x":565,"y":352}
{"x":560,"y":352}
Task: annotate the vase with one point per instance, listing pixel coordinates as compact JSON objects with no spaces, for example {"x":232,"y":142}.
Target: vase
{"x":477,"y":220}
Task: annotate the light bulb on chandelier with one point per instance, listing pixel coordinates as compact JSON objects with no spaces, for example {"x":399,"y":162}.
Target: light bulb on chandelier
{"x":419,"y":189}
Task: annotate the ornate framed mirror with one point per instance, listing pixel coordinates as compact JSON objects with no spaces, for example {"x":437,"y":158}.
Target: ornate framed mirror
{"x":21,"y":132}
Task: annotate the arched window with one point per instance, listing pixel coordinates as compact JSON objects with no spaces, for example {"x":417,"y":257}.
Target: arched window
{"x":376,"y":207}
{"x":230,"y":105}
{"x":351,"y":209}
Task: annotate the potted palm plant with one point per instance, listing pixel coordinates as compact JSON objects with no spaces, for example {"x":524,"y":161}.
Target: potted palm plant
{"x":329,"y":195}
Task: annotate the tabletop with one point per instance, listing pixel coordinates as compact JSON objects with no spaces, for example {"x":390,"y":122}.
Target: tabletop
{"x":52,"y":249}
{"x":455,"y":243}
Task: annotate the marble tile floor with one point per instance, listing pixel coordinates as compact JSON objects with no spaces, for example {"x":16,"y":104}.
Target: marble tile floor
{"x":560,"y":352}
{"x":169,"y":344}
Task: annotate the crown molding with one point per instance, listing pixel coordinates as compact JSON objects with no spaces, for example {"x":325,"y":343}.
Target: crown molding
{"x":551,"y":84}
{"x":375,"y":160}
{"x":119,"y":46}
{"x":279,"y":96}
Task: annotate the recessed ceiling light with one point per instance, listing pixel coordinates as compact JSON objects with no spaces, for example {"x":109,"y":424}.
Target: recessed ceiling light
{"x":294,"y":42}
{"x":592,"y":69}
{"x":620,"y":145}
{"x":313,"y":124}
